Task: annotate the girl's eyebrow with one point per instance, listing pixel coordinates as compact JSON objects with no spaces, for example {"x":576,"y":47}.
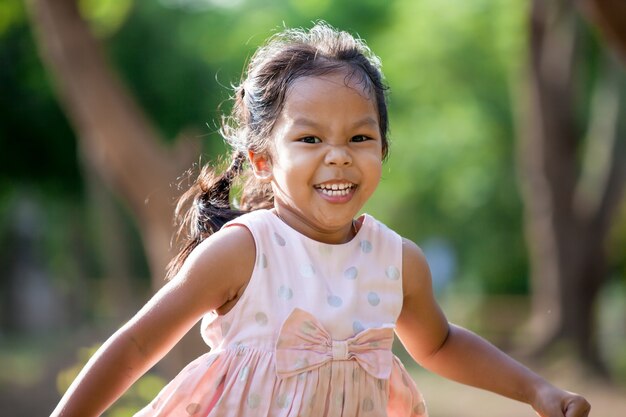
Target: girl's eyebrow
{"x":366,"y":121}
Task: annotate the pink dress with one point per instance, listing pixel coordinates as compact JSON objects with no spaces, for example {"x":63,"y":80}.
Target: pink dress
{"x":310,"y":336}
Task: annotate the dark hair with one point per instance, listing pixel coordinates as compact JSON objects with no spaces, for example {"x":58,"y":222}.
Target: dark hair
{"x":258,"y":101}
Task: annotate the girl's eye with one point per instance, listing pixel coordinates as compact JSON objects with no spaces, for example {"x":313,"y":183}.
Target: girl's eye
{"x":310,"y":139}
{"x":360,"y":138}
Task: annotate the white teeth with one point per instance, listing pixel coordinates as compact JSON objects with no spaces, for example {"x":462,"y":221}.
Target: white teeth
{"x":335,"y":190}
{"x":335,"y":193}
{"x":335,"y":186}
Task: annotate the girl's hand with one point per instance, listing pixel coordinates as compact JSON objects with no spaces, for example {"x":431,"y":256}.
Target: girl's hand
{"x":554,"y":402}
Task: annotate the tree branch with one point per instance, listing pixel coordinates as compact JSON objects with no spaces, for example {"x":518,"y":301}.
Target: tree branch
{"x":114,"y":132}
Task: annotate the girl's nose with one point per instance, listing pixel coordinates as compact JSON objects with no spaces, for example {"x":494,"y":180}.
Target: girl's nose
{"x":338,"y":156}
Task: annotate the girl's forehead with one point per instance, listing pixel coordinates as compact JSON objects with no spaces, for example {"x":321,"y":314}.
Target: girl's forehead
{"x":331,"y":81}
{"x":328,"y":103}
{"x":327,"y":87}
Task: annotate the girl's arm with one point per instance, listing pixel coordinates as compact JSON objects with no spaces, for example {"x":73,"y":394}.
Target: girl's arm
{"x":461,"y":355}
{"x":215,"y":273}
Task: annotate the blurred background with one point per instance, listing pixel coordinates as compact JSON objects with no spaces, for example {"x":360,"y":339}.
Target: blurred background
{"x":507,"y":166}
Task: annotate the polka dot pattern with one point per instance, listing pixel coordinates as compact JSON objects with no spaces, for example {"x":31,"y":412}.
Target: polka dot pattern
{"x":381,"y":384}
{"x":351,"y":273}
{"x":348,"y":288}
{"x":373,"y":299}
{"x":280,"y":241}
{"x":261,"y":318}
{"x":301,"y":363}
{"x":420,"y":408}
{"x":357,"y":327}
{"x":334,"y":301}
{"x":243,"y":374}
{"x":392,"y":273}
{"x":283,"y":401}
{"x":254,"y":400}
{"x":307,"y":271}
{"x":285,"y":292}
{"x":367,"y":405}
{"x":308,"y":328}
{"x":192,"y":408}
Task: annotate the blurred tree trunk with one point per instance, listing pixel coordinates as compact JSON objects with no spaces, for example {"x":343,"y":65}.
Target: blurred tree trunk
{"x":609,"y":17}
{"x":569,"y":206}
{"x":116,"y":139}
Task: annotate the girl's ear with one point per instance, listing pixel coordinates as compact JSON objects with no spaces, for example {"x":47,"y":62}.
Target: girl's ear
{"x":261,"y":166}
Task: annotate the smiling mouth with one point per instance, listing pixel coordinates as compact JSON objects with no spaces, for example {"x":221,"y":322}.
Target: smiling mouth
{"x":336,"y":189}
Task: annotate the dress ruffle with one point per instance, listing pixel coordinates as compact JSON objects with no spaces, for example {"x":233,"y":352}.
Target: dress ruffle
{"x":243,"y":382}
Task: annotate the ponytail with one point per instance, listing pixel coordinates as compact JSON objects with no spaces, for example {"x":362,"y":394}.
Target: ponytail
{"x":204,"y":208}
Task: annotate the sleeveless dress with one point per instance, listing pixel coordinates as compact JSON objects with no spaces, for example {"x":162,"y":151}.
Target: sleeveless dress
{"x":310,"y":336}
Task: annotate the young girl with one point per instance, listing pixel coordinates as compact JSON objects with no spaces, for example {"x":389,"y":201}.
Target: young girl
{"x":299,"y":299}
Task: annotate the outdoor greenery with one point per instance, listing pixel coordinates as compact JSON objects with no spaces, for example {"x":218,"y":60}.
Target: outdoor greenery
{"x":455,"y":70}
{"x":451,"y":69}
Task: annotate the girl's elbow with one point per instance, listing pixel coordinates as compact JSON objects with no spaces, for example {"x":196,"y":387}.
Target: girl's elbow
{"x":436,"y":347}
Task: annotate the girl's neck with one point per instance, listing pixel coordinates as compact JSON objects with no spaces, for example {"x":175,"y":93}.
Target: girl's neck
{"x":333,"y":236}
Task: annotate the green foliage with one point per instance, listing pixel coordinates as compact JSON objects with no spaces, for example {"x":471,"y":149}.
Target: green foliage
{"x":135,"y":398}
{"x":105,"y":16}
{"x":11,"y":13}
{"x":21,"y":362}
{"x":67,"y":375}
{"x":453,"y":69}
{"x":37,"y":143}
{"x":617,"y":243}
{"x":450,"y":174}
{"x":180,"y":61}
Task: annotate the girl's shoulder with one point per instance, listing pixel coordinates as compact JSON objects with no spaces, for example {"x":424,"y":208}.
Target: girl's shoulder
{"x":220,"y":267}
{"x":227,"y":244}
{"x":254,"y":221}
{"x":416,"y":274}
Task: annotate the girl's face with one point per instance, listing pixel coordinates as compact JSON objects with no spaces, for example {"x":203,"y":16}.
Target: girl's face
{"x":326,"y":156}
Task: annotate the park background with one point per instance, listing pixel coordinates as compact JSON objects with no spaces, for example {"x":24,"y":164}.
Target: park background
{"x":507,"y":166}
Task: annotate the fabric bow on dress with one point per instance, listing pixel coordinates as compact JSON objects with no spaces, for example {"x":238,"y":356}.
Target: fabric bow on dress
{"x":303,"y":344}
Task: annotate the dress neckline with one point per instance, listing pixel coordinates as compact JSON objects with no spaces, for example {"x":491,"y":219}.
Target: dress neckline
{"x":363,"y":219}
